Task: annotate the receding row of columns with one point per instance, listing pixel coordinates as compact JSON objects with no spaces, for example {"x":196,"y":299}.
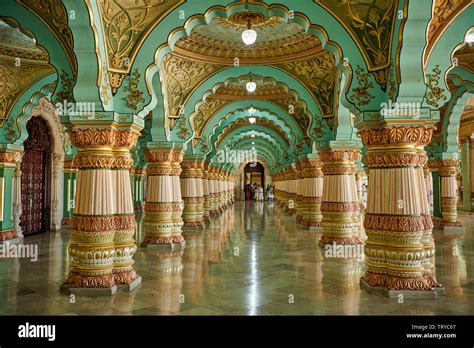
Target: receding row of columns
{"x":325,"y":193}
{"x":181,"y":194}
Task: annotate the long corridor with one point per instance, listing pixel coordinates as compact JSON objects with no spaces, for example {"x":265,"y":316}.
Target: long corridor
{"x":252,"y":260}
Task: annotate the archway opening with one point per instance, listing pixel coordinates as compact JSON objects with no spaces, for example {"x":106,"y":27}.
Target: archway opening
{"x":254,"y":176}
{"x":36,"y":178}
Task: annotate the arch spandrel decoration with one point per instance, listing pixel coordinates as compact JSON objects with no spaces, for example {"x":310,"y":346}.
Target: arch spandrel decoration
{"x":371,"y":25}
{"x":22,"y":64}
{"x":126,"y":24}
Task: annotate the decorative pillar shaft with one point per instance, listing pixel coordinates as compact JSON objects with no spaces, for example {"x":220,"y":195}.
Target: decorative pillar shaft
{"x":299,"y":192}
{"x":313,"y":191}
{"x":205,"y":192}
{"x":125,"y":224}
{"x":397,"y":221}
{"x":103,"y":224}
{"x":447,"y":170}
{"x":70,"y":179}
{"x":10,"y":210}
{"x":192,"y":193}
{"x":16,"y":204}
{"x":339,"y":207}
{"x":136,"y":176}
{"x":213,"y":190}
{"x":164,"y":205}
{"x":292,"y":181}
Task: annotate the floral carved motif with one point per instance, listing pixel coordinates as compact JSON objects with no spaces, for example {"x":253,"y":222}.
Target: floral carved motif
{"x":126,"y":24}
{"x":394,"y":223}
{"x":370,"y":23}
{"x":339,"y":156}
{"x":393,"y":159}
{"x":339,"y":207}
{"x":319,"y":73}
{"x":181,"y":76}
{"x":434,"y":93}
{"x":9,"y":157}
{"x":92,"y":223}
{"x":104,"y":137}
{"x":419,"y":135}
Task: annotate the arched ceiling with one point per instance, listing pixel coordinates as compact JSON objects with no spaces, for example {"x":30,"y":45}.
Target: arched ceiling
{"x":182,"y":63}
{"x":220,"y":42}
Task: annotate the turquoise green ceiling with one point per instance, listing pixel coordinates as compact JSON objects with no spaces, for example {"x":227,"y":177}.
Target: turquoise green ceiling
{"x":76,"y":40}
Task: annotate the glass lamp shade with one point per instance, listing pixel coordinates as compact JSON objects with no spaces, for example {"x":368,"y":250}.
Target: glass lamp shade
{"x":249,"y":36}
{"x":470,"y":38}
{"x":252,"y":110}
{"x":251,"y":86}
{"x":252,"y":120}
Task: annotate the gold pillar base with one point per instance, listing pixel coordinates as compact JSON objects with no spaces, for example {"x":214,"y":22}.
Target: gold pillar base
{"x":430,"y":292}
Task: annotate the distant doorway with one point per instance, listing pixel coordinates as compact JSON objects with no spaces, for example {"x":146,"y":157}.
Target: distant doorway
{"x":254,"y":172}
{"x":36,"y":178}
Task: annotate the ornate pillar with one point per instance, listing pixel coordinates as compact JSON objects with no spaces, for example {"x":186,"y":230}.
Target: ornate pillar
{"x":103,"y":224}
{"x":429,"y":186}
{"x":467,"y":161}
{"x":57,"y":194}
{"x":10,"y":202}
{"x":276,"y":191}
{"x":70,"y":179}
{"x":283,"y":192}
{"x":164,"y":205}
{"x":136,"y":175}
{"x":292,"y":181}
{"x":359,"y":186}
{"x":313,"y":177}
{"x":221,"y":190}
{"x":192,"y":192}
{"x":205,"y":192}
{"x":396,"y":220}
{"x":16,"y":203}
{"x":447,"y":170}
{"x":125,"y":223}
{"x":339,"y":207}
{"x":213,"y":190}
{"x":300,"y":183}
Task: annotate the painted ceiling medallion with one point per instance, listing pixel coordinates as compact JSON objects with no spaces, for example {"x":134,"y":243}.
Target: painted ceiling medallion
{"x":220,"y":42}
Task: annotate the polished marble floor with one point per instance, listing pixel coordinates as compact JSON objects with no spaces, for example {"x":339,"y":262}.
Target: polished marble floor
{"x":253,"y":260}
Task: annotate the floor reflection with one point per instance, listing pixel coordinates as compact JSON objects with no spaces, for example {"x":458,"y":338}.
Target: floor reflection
{"x":253,"y":260}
